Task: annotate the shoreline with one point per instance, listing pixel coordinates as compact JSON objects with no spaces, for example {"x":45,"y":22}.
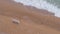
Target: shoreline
{"x":45,"y":5}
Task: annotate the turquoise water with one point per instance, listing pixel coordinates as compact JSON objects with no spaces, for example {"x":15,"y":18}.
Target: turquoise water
{"x":50,"y":5}
{"x":55,"y":2}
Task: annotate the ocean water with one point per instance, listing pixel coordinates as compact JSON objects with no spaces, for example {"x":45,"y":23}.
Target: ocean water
{"x":50,"y":5}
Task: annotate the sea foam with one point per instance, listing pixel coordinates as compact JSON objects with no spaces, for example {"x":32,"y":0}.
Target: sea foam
{"x":41,"y":4}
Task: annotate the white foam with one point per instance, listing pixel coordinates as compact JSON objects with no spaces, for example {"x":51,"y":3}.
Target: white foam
{"x":41,"y":4}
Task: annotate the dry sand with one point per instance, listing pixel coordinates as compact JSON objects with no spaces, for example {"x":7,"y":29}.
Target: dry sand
{"x":31,"y":20}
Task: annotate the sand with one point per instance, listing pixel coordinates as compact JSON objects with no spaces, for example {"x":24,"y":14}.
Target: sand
{"x":31,"y":20}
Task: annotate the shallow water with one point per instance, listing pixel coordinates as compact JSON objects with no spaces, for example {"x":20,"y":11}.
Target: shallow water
{"x":50,"y":5}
